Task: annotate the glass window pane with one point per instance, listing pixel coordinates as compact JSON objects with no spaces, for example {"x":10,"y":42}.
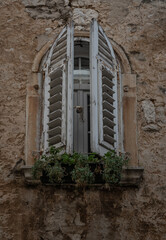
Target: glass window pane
{"x":76,"y":63}
{"x":84,"y":63}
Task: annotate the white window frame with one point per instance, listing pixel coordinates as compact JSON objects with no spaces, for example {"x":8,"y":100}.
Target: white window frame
{"x":96,"y":63}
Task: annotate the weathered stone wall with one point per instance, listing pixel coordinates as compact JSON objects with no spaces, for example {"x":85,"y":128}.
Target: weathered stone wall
{"x":45,"y":212}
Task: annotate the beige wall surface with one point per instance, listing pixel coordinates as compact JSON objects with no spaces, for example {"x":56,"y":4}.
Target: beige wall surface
{"x":139,"y":28}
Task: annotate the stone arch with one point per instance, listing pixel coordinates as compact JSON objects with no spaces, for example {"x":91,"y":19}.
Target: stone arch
{"x":120,"y":52}
{"x":39,"y":56}
{"x":123,"y":57}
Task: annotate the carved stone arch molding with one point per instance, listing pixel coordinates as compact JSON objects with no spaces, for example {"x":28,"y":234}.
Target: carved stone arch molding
{"x":34,"y":104}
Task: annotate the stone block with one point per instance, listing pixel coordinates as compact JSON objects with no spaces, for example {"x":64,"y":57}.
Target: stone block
{"x":33,"y":3}
{"x":82,"y":17}
{"x":131,"y":176}
{"x":151,"y":128}
{"x":149,"y":111}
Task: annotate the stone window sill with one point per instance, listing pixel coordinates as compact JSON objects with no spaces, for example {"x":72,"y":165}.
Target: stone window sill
{"x":131,"y":177}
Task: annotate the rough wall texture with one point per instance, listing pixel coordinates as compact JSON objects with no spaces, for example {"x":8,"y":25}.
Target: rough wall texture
{"x":139,"y":27}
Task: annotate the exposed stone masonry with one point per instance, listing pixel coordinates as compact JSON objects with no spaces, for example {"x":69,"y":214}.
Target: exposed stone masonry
{"x":48,"y":213}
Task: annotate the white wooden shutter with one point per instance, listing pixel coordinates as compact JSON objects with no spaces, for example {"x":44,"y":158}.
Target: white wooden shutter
{"x":104,"y":117}
{"x":58,"y":78}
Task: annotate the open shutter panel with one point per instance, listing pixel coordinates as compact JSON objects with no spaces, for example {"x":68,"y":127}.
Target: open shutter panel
{"x":55,"y":91}
{"x":104,"y":79}
{"x":108,"y":132}
{"x":55,"y":108}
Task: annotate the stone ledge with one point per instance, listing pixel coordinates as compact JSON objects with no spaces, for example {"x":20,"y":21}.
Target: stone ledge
{"x":131,"y":177}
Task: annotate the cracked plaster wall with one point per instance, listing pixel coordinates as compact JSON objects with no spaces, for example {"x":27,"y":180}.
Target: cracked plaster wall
{"x":139,"y":27}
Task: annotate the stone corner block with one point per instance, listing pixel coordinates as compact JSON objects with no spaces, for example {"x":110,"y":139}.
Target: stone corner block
{"x":131,"y":176}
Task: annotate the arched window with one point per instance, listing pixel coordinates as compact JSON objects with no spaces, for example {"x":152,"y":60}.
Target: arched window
{"x":59,"y":69}
{"x":80,"y":93}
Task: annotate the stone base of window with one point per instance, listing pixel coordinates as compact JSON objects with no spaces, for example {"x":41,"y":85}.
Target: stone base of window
{"x":131,"y":177}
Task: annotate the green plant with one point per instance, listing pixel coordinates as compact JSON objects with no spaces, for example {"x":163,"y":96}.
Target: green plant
{"x":49,"y":164}
{"x":54,"y":166}
{"x":113,"y":165}
{"x":82,"y":173}
{"x":55,"y":173}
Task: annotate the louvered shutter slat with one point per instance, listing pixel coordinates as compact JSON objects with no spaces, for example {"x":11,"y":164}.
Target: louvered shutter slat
{"x":108,"y":114}
{"x":105,"y":53}
{"x":55,"y":122}
{"x":55,"y":114}
{"x":55,"y":98}
{"x":108,"y":106}
{"x":55,"y":106}
{"x":104,"y":46}
{"x":60,"y":46}
{"x":109,"y":139}
{"x":55,"y":90}
{"x":102,"y":38}
{"x":55,"y":140}
{"x":107,"y":82}
{"x":54,"y":131}
{"x":107,"y":89}
{"x":108,"y":122}
{"x":58,"y":53}
{"x":108,"y":98}
{"x":57,"y":60}
{"x":107,"y":60}
{"x":55,"y":82}
{"x":61,"y":40}
{"x":109,"y":131}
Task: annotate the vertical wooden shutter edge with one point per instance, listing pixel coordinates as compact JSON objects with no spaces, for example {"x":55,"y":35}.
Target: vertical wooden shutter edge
{"x":116,"y":112}
{"x":70,"y":67}
{"x":100,"y":103}
{"x":94,"y":86}
{"x":46,"y":110}
{"x":64,"y":107}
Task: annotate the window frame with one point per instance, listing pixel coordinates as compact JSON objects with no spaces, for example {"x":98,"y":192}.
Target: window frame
{"x":33,"y":106}
{"x":97,"y":142}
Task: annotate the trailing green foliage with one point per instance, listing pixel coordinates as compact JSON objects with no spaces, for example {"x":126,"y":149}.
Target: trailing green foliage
{"x":113,"y":165}
{"x":50,"y":164}
{"x":83,"y":175}
{"x":55,"y":166}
